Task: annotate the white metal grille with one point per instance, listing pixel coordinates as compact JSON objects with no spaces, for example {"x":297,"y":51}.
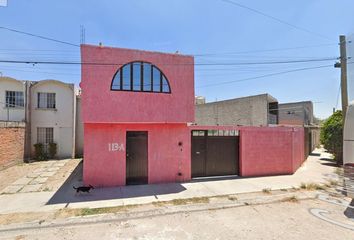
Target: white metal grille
{"x":44,"y":135}
{"x":14,"y":99}
{"x":46,"y":100}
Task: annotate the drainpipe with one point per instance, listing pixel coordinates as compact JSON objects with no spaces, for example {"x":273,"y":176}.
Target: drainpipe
{"x":74,"y":122}
{"x":27,"y":142}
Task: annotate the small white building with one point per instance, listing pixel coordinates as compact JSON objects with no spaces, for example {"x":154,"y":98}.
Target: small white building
{"x":48,"y":108}
{"x":12,"y":99}
{"x":52,"y":115}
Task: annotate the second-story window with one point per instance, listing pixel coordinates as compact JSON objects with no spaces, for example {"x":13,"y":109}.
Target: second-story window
{"x":140,"y":77}
{"x":46,"y":100}
{"x":14,"y":99}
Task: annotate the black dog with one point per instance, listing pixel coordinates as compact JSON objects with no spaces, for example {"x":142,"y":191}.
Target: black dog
{"x":83,"y":188}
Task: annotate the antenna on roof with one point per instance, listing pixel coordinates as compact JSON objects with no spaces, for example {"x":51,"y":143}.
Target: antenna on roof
{"x":82,"y":34}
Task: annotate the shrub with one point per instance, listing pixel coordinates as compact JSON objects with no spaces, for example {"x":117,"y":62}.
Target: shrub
{"x":39,"y":152}
{"x":332,"y":136}
{"x":52,"y":150}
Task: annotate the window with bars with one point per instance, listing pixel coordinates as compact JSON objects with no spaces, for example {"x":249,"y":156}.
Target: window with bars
{"x":14,"y":99}
{"x":140,"y":77}
{"x":46,"y":100}
{"x":219,"y":133}
{"x":45,"y":135}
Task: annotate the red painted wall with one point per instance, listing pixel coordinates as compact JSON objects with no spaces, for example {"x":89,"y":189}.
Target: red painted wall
{"x":270,"y":150}
{"x":165,"y":157}
{"x":101,"y":105}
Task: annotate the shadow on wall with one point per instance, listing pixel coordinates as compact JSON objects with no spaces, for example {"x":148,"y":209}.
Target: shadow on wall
{"x":66,"y":193}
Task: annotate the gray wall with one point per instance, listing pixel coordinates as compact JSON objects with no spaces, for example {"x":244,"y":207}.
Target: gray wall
{"x":297,"y":113}
{"x":79,"y":136}
{"x":248,"y":111}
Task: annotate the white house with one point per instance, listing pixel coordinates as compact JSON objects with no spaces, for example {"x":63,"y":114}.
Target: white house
{"x":48,"y":108}
{"x":52,"y":115}
{"x":12,"y":99}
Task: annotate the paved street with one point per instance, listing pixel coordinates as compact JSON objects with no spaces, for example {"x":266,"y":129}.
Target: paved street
{"x":317,"y":169}
{"x":289,"y":219}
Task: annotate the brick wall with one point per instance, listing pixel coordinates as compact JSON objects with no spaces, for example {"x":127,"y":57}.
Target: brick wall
{"x":12,"y":137}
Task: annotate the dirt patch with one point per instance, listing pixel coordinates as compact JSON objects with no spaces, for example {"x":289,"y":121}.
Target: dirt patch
{"x":25,"y":217}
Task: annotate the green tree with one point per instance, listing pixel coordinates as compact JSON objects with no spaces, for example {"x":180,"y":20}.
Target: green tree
{"x":332,"y":135}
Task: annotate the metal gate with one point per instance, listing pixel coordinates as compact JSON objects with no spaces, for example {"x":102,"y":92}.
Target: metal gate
{"x":215,"y":153}
{"x":137,"y":158}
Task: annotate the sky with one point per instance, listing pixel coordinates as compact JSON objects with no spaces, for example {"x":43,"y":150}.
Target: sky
{"x":235,"y":40}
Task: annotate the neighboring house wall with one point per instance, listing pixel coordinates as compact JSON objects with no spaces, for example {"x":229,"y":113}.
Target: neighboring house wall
{"x":12,"y":137}
{"x":247,"y":111}
{"x":79,"y":136}
{"x":297,"y":113}
{"x":16,"y":113}
{"x":61,"y":118}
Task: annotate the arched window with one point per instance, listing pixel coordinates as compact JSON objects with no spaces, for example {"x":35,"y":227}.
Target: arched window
{"x":140,"y":77}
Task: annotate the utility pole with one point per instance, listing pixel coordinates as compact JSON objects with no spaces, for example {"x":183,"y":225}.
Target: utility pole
{"x":343,"y":71}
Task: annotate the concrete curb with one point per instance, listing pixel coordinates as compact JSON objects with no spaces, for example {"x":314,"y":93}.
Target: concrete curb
{"x":159,"y":211}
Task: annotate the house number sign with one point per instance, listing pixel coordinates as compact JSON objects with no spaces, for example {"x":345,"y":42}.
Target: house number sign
{"x":113,"y":147}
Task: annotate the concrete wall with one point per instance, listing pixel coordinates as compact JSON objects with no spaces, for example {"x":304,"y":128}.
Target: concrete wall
{"x":12,"y":137}
{"x":17,"y":113}
{"x":61,"y":119}
{"x":270,"y":151}
{"x":79,"y":135}
{"x":248,"y":111}
{"x":101,"y":105}
{"x":165,"y":157}
{"x":297,"y":113}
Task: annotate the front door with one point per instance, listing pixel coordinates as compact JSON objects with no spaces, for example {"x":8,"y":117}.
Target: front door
{"x":137,"y":158}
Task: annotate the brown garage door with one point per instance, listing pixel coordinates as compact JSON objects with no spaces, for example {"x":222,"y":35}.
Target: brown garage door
{"x":214,"y":153}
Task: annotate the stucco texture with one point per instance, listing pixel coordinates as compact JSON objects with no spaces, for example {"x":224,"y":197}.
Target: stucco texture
{"x":166,"y":158}
{"x":101,"y":105}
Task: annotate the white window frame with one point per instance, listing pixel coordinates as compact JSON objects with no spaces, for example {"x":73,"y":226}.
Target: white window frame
{"x":45,"y":135}
{"x":14,"y":99}
{"x":46,"y":100}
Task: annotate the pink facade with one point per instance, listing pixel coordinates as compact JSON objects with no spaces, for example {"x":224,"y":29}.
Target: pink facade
{"x":111,"y":112}
{"x":101,"y":105}
{"x":166,"y":159}
{"x":108,"y":115}
{"x":266,"y":151}
{"x":271,"y":150}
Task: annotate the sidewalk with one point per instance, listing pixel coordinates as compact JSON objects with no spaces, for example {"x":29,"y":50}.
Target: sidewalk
{"x":317,"y":169}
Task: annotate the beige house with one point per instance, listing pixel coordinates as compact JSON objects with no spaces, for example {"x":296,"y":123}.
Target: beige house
{"x":48,"y":108}
{"x":12,"y":99}
{"x":52,"y":115}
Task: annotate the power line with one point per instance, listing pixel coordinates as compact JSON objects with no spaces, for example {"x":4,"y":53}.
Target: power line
{"x":266,"y":75}
{"x":39,"y":36}
{"x":275,"y":19}
{"x":181,"y":64}
{"x":266,"y":50}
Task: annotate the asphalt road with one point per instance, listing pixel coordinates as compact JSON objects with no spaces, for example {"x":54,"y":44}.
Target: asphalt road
{"x":317,"y":219}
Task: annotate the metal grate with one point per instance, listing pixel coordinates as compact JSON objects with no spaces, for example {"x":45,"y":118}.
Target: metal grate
{"x":14,"y":99}
{"x":44,"y":135}
{"x":46,"y":100}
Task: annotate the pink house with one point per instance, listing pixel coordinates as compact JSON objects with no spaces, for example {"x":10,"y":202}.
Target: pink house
{"x":135,"y":108}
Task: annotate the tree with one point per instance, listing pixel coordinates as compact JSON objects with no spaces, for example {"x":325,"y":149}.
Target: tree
{"x":332,"y":135}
